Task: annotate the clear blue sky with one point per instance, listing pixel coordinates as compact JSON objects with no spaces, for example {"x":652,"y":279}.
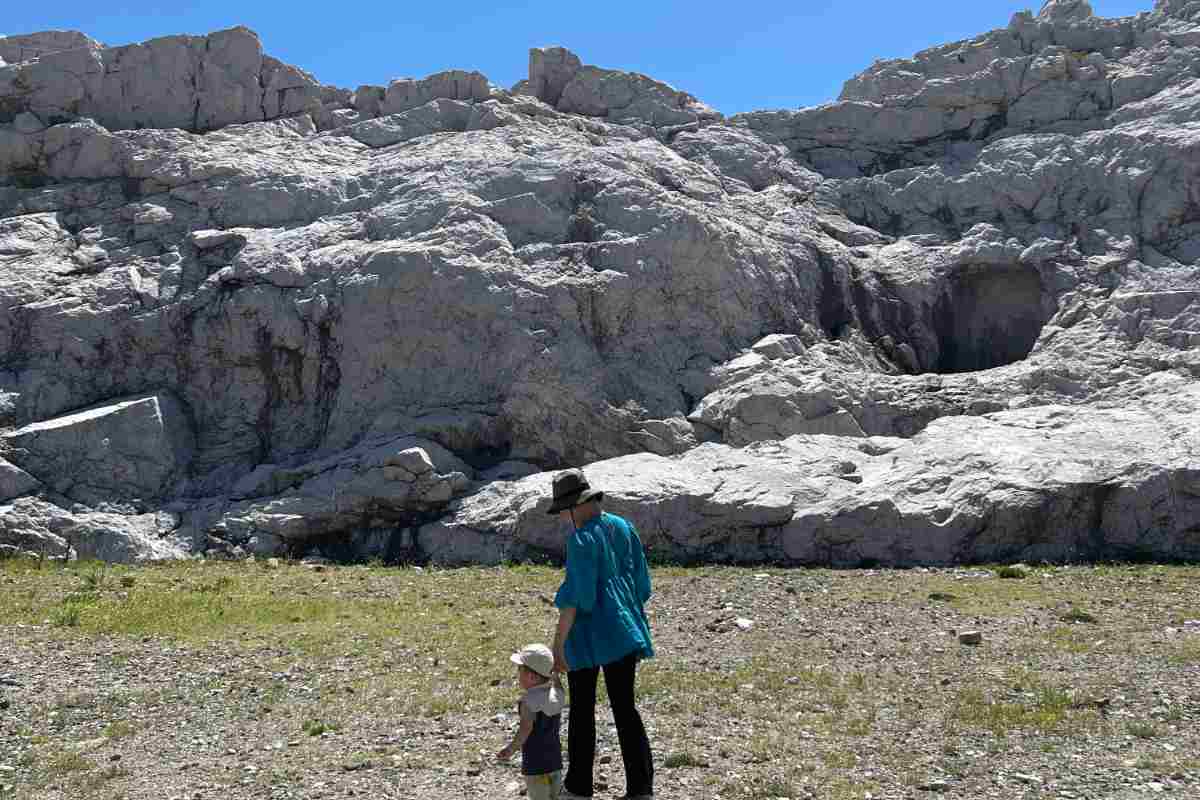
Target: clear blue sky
{"x":735,"y":55}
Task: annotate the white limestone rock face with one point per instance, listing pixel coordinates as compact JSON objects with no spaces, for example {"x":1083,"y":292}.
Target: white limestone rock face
{"x":339,"y":504}
{"x":36,"y":528}
{"x":27,"y":47}
{"x":404,"y":94}
{"x":128,"y":452}
{"x":435,"y":116}
{"x":1066,"y":10}
{"x":550,"y":70}
{"x":15,"y":482}
{"x":1047,"y":483}
{"x":197,"y":83}
{"x":909,"y":326}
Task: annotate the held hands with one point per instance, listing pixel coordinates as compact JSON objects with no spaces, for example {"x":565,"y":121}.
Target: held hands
{"x":560,"y":659}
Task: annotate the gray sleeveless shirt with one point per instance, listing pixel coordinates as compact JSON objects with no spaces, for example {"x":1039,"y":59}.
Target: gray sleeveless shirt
{"x":542,"y":752}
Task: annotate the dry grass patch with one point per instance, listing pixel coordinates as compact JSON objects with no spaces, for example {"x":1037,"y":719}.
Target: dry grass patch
{"x":376,"y":678}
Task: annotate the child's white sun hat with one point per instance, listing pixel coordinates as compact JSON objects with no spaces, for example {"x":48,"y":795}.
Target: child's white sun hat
{"x":536,"y":657}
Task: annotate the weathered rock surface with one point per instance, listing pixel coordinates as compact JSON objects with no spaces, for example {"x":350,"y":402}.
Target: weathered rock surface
{"x":557,"y":76}
{"x":194,"y":82}
{"x":375,"y":489}
{"x":131,"y":452}
{"x":1050,"y":482}
{"x":954,"y":315}
{"x":26,"y":47}
{"x":34,"y":527}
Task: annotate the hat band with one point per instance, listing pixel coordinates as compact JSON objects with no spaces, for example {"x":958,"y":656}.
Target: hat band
{"x":572,"y":494}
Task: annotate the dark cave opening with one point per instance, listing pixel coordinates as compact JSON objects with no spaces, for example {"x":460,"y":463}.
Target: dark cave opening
{"x":989,"y":317}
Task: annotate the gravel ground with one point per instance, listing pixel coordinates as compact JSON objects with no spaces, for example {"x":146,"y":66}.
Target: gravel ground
{"x":769,"y":683}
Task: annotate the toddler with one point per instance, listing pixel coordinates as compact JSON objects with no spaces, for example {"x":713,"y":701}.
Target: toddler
{"x":540,"y":709}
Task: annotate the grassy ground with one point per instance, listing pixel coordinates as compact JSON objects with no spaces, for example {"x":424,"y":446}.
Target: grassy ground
{"x":263,"y":679}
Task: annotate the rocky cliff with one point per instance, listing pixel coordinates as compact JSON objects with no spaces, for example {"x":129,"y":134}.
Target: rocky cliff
{"x":953,"y":316}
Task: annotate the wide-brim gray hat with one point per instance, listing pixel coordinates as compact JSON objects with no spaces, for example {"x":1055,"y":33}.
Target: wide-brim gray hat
{"x":571,"y":489}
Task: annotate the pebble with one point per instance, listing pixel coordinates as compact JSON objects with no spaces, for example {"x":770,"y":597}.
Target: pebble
{"x":934,"y":786}
{"x":970,"y":637}
{"x":743,"y":623}
{"x":1029,"y":779}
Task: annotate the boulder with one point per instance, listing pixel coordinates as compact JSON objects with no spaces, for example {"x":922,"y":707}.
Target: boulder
{"x":38,"y":528}
{"x":31,"y":528}
{"x":408,"y":93}
{"x":15,"y":482}
{"x":342,"y":503}
{"x":1066,"y":10}
{"x":133,"y":451}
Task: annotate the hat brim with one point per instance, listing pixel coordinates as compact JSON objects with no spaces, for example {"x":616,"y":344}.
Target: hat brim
{"x":516,"y":659}
{"x":572,"y":500}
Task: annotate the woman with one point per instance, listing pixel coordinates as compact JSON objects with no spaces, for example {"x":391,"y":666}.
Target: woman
{"x":601,"y":626}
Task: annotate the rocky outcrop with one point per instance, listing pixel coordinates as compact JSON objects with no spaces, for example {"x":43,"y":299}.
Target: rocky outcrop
{"x":375,"y":490}
{"x":952,"y":316}
{"x":131,"y":452}
{"x":408,"y":93}
{"x":27,"y":47}
{"x":197,"y":83}
{"x":557,"y":76}
{"x":1064,"y":71}
{"x":36,"y":528}
{"x":1044,"y":483}
{"x":15,"y":482}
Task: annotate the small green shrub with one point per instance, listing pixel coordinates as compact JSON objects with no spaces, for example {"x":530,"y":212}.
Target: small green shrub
{"x":1142,"y":730}
{"x":315,"y":727}
{"x":68,"y":615}
{"x":683,"y":759}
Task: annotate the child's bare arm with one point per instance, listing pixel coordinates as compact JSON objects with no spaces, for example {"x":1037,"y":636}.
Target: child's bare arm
{"x":523,"y":732}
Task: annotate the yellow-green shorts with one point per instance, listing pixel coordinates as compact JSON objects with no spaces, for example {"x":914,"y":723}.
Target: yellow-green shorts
{"x":543,"y":787}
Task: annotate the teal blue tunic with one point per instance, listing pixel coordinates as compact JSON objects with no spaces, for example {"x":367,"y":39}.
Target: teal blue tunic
{"x":608,"y":583}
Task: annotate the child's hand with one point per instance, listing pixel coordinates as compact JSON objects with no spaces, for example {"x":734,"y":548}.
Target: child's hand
{"x":505,"y":754}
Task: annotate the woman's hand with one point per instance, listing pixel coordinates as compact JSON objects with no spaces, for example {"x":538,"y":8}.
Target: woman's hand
{"x":566,"y":620}
{"x":505,"y":754}
{"x":560,"y":659}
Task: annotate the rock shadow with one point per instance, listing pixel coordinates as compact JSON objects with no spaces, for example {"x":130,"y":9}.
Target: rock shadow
{"x":989,"y":317}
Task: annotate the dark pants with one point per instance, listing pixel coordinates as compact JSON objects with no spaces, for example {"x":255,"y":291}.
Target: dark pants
{"x":619,"y":677}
